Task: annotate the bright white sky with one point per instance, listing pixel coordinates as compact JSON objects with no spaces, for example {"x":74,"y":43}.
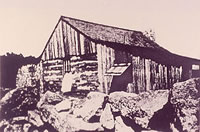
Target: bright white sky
{"x":25,"y":25}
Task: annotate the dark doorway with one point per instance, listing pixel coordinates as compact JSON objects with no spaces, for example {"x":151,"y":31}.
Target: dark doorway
{"x":120,"y":82}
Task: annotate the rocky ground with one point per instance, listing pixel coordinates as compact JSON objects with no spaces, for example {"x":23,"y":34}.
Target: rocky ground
{"x":177,"y":109}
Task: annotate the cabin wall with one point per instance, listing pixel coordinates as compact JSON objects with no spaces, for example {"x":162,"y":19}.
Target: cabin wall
{"x":53,"y":72}
{"x":138,"y":74}
{"x":106,"y":58}
{"x":150,"y":75}
{"x":84,"y":69}
{"x":68,"y":50}
{"x":85,"y":73}
{"x":147,"y":74}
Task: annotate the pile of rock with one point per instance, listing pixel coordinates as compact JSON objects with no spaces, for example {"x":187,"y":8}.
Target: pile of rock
{"x":28,"y":75}
{"x":161,"y":110}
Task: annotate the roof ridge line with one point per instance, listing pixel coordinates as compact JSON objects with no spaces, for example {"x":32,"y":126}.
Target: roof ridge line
{"x":100,"y":24}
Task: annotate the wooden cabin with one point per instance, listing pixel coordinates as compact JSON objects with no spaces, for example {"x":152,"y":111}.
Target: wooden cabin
{"x":110,"y":59}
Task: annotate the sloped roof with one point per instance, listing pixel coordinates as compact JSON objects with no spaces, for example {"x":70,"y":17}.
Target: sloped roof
{"x":112,"y":34}
{"x":100,"y":32}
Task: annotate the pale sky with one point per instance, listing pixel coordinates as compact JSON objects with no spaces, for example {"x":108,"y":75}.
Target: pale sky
{"x":25,"y":25}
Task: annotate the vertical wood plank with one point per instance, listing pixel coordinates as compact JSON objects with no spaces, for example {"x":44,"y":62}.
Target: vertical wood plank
{"x":135,"y":72}
{"x":93,"y":47}
{"x":55,"y":42}
{"x":99,"y":59}
{"x":50,"y":50}
{"x":105,"y":62}
{"x":82,"y":44}
{"x":109,"y":65}
{"x":139,"y":74}
{"x":141,"y":66}
{"x":54,"y":50}
{"x":65,"y":40}
{"x":72,"y":41}
{"x":79,"y":43}
{"x":148,"y":72}
{"x":47,"y":50}
{"x":60,"y":35}
{"x":69,"y":41}
{"x":103,"y":58}
{"x":56,"y":46}
{"x":76,"y":42}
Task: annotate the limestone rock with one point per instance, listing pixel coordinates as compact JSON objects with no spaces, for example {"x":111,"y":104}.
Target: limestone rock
{"x":3,"y":123}
{"x":79,"y":124}
{"x":120,"y":101}
{"x":7,"y":97}
{"x":186,"y":100}
{"x":34,"y":118}
{"x":63,"y":105}
{"x":50,"y":98}
{"x":93,"y":102}
{"x":140,"y":108}
{"x":13,"y":128}
{"x":64,"y":121}
{"x":16,"y":124}
{"x":151,"y":102}
{"x":26,"y":127}
{"x":120,"y":126}
{"x":107,"y":118}
{"x":173,"y":128}
{"x":18,"y":101}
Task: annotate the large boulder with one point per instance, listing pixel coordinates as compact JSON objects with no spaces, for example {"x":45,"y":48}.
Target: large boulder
{"x":186,"y":100}
{"x":107,"y":118}
{"x":34,"y":118}
{"x":63,"y":121}
{"x":50,"y":98}
{"x":90,"y":106}
{"x":64,"y":105}
{"x":50,"y":115}
{"x":120,"y":126}
{"x":139,"y":107}
{"x":18,"y":101}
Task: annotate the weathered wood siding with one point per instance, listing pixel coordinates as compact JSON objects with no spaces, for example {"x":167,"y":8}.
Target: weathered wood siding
{"x":105,"y":57}
{"x":150,"y":75}
{"x":147,"y":74}
{"x":65,"y":41}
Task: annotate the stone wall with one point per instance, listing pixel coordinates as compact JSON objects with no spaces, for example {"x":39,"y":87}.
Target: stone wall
{"x":85,"y":72}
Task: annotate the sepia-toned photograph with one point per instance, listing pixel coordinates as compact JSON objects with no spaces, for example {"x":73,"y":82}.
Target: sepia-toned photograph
{"x":99,"y":66}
